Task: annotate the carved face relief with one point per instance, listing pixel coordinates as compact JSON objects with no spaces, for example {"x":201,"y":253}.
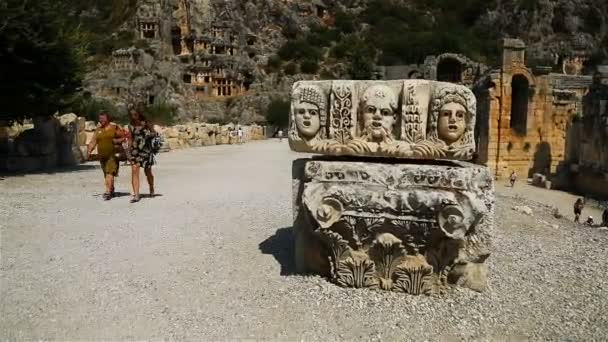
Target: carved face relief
{"x":308,"y":119}
{"x":378,"y":112}
{"x":451,"y":123}
{"x":308,"y":112}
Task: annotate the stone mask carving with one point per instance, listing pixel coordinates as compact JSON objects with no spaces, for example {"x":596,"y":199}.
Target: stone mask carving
{"x":452,"y":116}
{"x":309,"y":111}
{"x":378,"y":106}
{"x":452,"y":122}
{"x":396,"y":118}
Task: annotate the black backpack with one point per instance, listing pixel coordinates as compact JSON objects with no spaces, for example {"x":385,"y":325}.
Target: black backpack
{"x":156,"y":143}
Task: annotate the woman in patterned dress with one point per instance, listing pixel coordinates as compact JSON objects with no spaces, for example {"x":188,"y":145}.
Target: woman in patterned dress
{"x":141,"y":134}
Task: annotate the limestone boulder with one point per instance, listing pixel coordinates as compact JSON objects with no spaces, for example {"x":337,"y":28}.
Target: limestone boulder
{"x":540,"y":181}
{"x":81,"y":123}
{"x":69,"y":119}
{"x":171,"y":132}
{"x":90,"y":126}
{"x":173,"y":143}
{"x":523,"y":209}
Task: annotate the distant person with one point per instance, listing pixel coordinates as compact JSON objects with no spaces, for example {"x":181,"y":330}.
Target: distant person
{"x":141,"y":151}
{"x":513,"y":178}
{"x":578,"y":209}
{"x":605,"y":218}
{"x":240,"y":135}
{"x":280,"y":134}
{"x":589,"y":221}
{"x":107,"y":138}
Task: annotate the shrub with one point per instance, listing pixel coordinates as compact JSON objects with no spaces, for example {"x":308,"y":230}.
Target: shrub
{"x":161,"y":113}
{"x":299,"y":49}
{"x":89,"y":108}
{"x":217,"y":120}
{"x":309,"y":67}
{"x":274,"y":63}
{"x":291,"y":68}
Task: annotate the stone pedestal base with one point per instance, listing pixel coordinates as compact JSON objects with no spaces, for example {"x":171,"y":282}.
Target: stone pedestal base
{"x":414,"y":228}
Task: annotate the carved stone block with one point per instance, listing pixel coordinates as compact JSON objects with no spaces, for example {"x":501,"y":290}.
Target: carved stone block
{"x":415,"y":119}
{"x":413,"y":228}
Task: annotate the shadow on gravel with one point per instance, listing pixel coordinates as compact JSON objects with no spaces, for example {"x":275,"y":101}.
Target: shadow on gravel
{"x":148,"y":196}
{"x":116,"y":194}
{"x":78,"y":168}
{"x":280,"y":246}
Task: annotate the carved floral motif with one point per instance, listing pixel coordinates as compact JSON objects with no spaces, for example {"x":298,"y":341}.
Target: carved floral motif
{"x":414,"y":280}
{"x":397,"y":227}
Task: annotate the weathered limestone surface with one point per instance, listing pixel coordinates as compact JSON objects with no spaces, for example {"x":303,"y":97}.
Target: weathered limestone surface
{"x":50,"y":142}
{"x":203,"y":134}
{"x":413,"y":228}
{"x":415,"y":119}
{"x":524,"y":115}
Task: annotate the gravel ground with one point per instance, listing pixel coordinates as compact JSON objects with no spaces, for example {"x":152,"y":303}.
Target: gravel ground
{"x":210,"y":259}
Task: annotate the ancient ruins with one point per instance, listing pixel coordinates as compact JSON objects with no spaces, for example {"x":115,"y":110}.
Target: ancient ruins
{"x":415,"y":218}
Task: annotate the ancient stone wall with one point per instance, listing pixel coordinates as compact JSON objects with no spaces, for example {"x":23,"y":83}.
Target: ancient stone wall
{"x":50,"y":142}
{"x":202,"y":134}
{"x":586,"y":166}
{"x":524,"y":116}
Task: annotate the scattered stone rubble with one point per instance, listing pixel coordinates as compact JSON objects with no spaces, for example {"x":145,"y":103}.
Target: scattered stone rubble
{"x":61,"y":141}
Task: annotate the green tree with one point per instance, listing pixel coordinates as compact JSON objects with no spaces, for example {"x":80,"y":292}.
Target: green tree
{"x":161,"y":114}
{"x":44,"y":46}
{"x":42,"y":56}
{"x":309,"y":66}
{"x":291,"y":68}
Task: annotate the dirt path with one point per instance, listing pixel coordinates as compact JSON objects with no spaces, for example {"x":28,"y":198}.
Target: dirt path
{"x":561,"y":200}
{"x":210,"y":260}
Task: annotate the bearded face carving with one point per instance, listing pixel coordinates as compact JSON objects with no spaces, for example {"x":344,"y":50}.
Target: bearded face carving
{"x":378,"y":113}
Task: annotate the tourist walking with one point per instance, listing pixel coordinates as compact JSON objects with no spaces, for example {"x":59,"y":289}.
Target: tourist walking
{"x":107,"y":138}
{"x":578,"y":209}
{"x":513,"y":178}
{"x":240,"y":135}
{"x":605,"y":218}
{"x":280,"y":134}
{"x":141,"y":151}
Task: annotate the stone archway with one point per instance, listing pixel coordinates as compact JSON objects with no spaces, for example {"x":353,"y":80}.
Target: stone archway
{"x":449,"y":70}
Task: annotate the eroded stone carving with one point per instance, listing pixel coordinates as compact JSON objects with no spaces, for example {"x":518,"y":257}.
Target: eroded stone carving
{"x":308,"y":113}
{"x":415,"y":119}
{"x":401,"y":227}
{"x":378,"y":112}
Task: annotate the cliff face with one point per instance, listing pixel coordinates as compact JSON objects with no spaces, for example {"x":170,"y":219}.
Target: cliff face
{"x":552,"y":28}
{"x":213,"y":59}
{"x":207,"y":58}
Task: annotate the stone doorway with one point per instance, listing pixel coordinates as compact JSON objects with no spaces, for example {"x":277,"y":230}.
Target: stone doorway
{"x":449,"y":70}
{"x":520,"y":89}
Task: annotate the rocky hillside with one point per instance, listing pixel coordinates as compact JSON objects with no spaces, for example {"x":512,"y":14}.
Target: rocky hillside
{"x":228,"y":60}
